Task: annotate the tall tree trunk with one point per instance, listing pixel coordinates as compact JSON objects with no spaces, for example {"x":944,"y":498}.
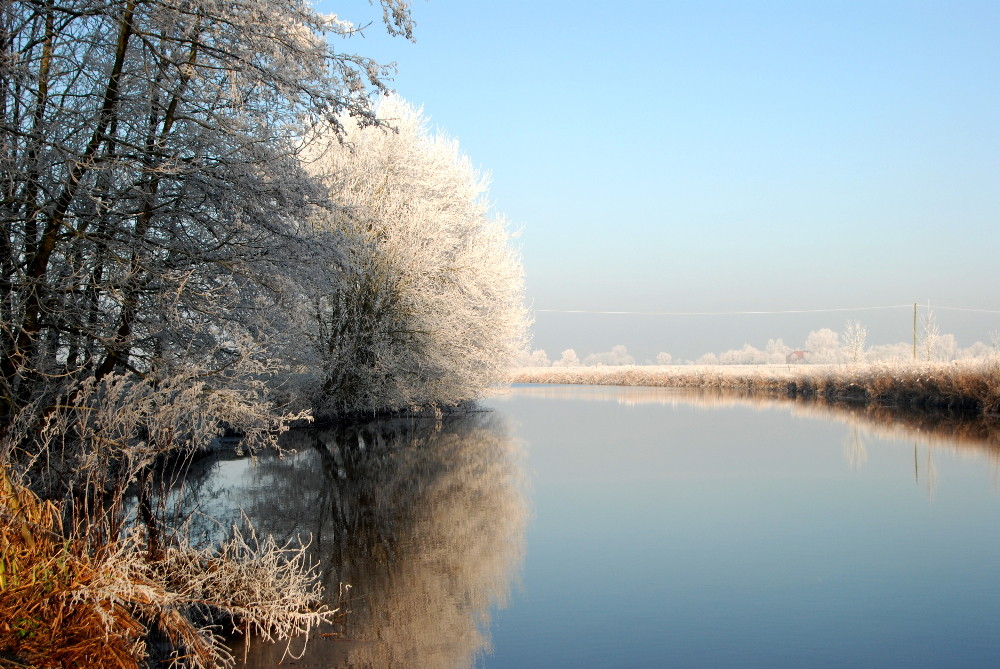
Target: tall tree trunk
{"x":117,"y":352}
{"x":22,"y":356}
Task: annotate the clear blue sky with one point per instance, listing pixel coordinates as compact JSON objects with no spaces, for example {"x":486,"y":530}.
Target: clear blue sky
{"x":725,"y":156}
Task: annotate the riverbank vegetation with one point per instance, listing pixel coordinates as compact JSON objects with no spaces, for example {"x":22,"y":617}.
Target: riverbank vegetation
{"x":210,"y":228}
{"x":72,"y":599}
{"x":972,"y":387}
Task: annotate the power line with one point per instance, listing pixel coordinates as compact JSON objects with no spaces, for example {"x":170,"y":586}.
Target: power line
{"x":750,"y":313}
{"x":981,"y":311}
{"x":738,"y":313}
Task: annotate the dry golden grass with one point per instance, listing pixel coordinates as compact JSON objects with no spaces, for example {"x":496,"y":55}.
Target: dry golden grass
{"x":972,"y":388}
{"x":66,"y":603}
{"x":43,"y":620}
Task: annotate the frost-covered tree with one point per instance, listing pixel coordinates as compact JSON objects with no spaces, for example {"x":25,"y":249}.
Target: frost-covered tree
{"x":426,"y":305}
{"x":536,"y":358}
{"x":617,"y":356}
{"x":978,"y":350}
{"x":823,"y":345}
{"x":855,"y":335}
{"x":776,"y":351}
{"x":151,"y":189}
{"x":567,"y":359}
{"x":931,"y":335}
{"x":945,"y":347}
{"x":748,"y":355}
{"x":664,"y":358}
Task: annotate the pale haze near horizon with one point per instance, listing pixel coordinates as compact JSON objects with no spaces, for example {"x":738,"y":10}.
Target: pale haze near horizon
{"x":675,"y":157}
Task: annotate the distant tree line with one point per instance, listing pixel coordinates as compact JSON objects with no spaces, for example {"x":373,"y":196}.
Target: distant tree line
{"x":820,"y":346}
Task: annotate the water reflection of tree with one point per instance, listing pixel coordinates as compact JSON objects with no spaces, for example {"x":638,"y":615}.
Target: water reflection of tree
{"x":855,"y":450}
{"x":929,"y":472}
{"x":425,"y":520}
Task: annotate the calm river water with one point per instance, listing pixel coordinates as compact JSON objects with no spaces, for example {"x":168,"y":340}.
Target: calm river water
{"x":606,"y":527}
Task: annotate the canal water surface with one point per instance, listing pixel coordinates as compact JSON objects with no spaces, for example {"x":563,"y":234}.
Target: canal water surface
{"x":636,"y":527}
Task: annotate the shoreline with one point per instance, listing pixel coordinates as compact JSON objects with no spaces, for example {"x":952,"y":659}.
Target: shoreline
{"x":966,"y":388}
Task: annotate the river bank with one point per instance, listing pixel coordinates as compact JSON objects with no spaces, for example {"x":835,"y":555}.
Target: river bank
{"x":86,"y":596}
{"x":971,"y":388}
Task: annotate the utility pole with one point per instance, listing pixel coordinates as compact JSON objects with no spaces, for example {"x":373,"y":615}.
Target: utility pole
{"x":914,"y":330}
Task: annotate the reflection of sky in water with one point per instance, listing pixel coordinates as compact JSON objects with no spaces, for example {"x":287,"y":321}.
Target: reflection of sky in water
{"x":209,"y":497}
{"x":667,"y":528}
{"x":685,"y":531}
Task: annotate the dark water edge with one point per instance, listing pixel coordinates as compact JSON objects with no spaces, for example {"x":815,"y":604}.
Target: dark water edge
{"x":969,"y":428}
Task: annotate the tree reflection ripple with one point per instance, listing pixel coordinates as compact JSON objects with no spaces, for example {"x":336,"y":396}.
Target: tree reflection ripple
{"x":423,"y":519}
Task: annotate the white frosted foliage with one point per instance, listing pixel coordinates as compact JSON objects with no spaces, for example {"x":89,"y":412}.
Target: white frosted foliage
{"x":618,"y":355}
{"x":567,"y":359}
{"x":427,"y":307}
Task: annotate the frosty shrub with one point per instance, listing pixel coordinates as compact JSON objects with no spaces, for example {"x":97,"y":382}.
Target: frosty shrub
{"x":536,"y":358}
{"x":618,"y":355}
{"x":776,"y":351}
{"x":971,"y":387}
{"x":747,"y":355}
{"x":567,"y":359}
{"x":854,"y":337}
{"x":426,"y":306}
{"x":64,"y":604}
{"x":931,"y":334}
{"x":823,"y":345}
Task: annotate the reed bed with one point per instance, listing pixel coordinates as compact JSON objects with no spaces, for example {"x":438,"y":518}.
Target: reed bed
{"x":968,"y":388}
{"x":66,"y":601}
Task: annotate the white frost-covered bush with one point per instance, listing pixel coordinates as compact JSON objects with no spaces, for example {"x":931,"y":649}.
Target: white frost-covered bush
{"x":823,"y":345}
{"x":617,"y":356}
{"x":426,"y":307}
{"x":567,"y":359}
{"x":536,"y":358}
{"x":747,"y":355}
